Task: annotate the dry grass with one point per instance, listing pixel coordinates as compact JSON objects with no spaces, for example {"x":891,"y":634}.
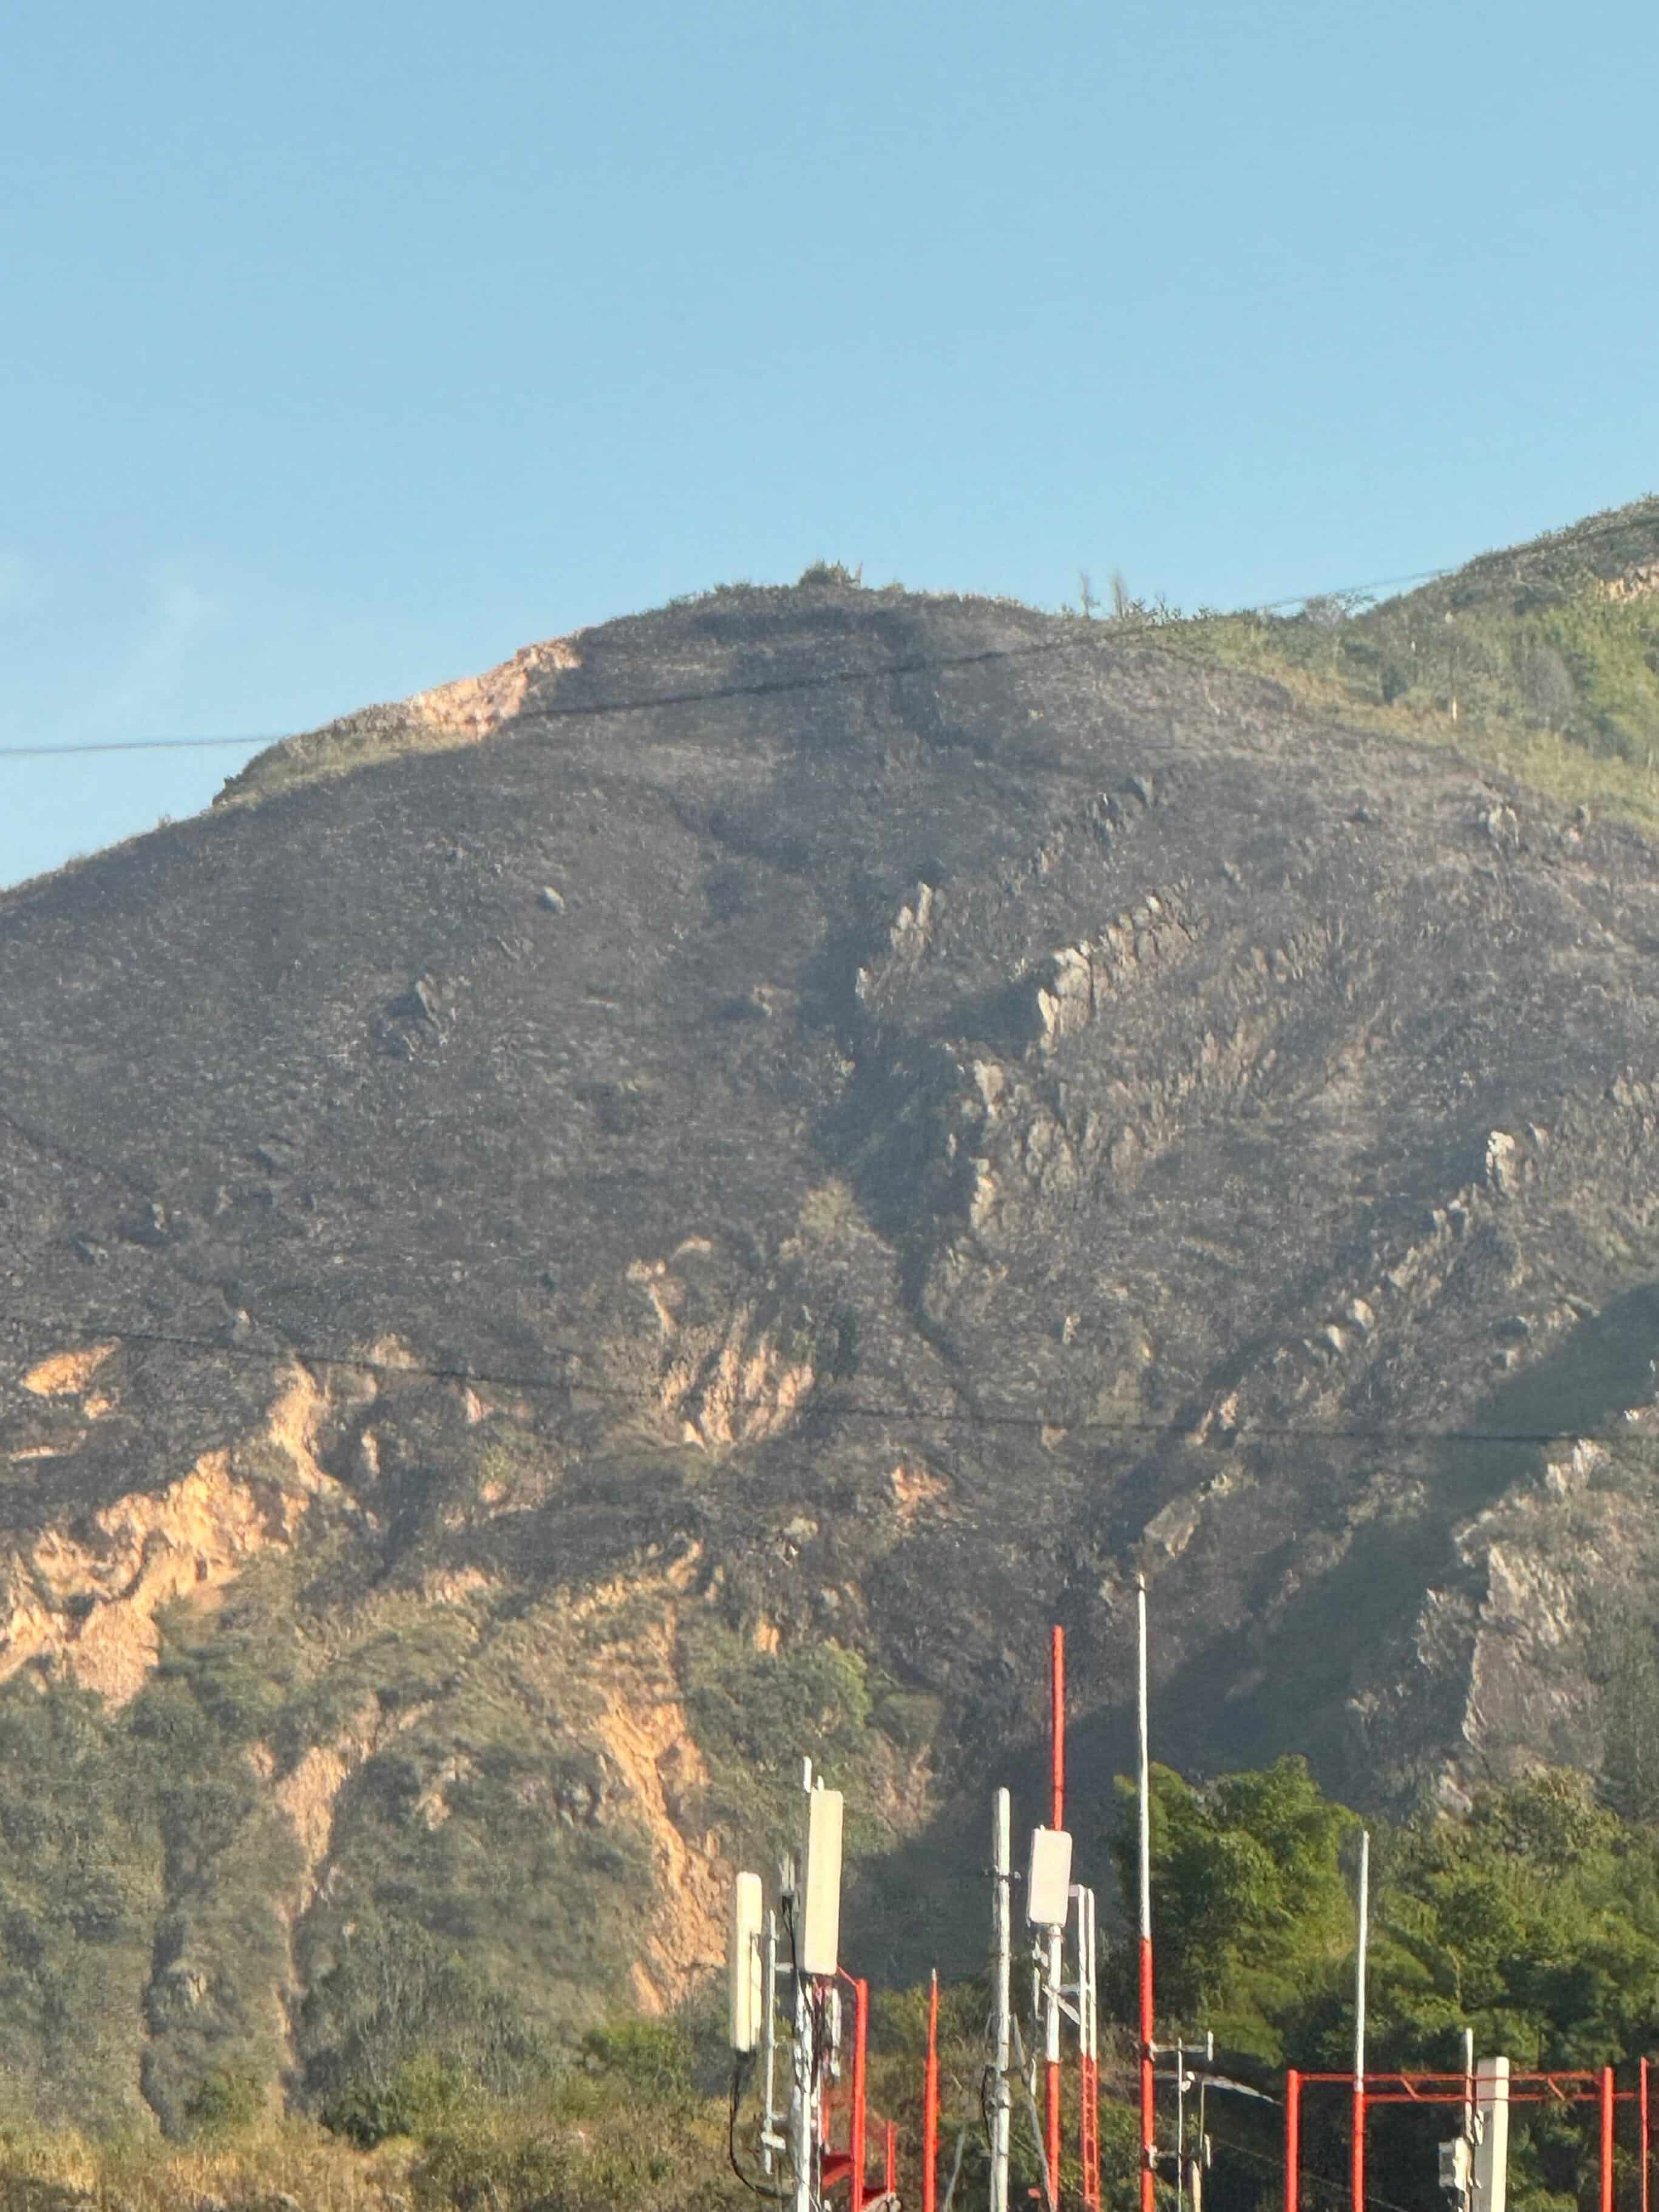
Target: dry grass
{"x":290,"y":2159}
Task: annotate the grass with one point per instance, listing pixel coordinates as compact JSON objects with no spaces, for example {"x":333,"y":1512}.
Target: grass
{"x":42,"y":2170}
{"x":1541,"y":661}
{"x":1570,"y":766}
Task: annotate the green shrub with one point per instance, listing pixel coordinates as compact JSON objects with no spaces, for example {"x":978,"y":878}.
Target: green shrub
{"x":224,"y":2101}
{"x":652,"y":2056}
{"x":419,"y":2097}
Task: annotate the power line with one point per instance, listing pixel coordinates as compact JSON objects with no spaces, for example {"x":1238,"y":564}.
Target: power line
{"x":1110,"y":632}
{"x":1053,"y":1423}
{"x":1107,"y":634}
{"x":138,"y":745}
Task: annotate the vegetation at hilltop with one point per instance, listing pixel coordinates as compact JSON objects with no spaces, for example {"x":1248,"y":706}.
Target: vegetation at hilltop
{"x":1543,"y":660}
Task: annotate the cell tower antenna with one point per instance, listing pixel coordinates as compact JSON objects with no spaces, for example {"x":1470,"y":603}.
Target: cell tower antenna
{"x":811,"y":1907}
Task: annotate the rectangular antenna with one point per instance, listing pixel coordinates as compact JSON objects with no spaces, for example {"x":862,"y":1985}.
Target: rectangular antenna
{"x":1491,"y":2141}
{"x":745,"y":1960}
{"x":1049,"y":1878}
{"x":820,"y":1905}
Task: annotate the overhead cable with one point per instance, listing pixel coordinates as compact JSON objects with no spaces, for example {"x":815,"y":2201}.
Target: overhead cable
{"x":1111,"y":630}
{"x":1054,"y":1424}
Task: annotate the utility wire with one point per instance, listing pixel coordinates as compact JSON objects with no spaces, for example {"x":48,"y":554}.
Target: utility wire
{"x":1111,"y":631}
{"x":1051,"y":1423}
{"x":138,"y":745}
{"x":1108,"y":634}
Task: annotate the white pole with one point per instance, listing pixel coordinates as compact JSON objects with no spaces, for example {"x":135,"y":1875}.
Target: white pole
{"x":1359,"y":1962}
{"x":1002,"y":1961}
{"x":802,"y":2115}
{"x":1147,"y":2012}
{"x":1088,"y":2024}
{"x":1357,"y":2142}
{"x":1054,"y":1974}
{"x":803,"y":2104}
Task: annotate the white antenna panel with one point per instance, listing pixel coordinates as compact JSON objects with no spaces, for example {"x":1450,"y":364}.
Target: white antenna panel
{"x":1492,"y":2146}
{"x":1048,"y":1880}
{"x":745,"y":1963}
{"x":820,"y":1902}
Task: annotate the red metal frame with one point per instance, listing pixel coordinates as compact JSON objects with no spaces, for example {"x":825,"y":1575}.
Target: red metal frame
{"x":1568,"y":2086}
{"x":1573,"y":2085}
{"x":1148,"y":2136}
{"x":855,"y":2130}
{"x":849,"y":2165}
{"x":1357,"y":2144}
{"x":1606,"y":2139}
{"x":1089,"y":2133}
{"x":1292,"y":2140}
{"x":1644,"y":2137}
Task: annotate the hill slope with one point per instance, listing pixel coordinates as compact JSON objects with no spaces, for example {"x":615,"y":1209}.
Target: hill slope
{"x":676,"y":1204}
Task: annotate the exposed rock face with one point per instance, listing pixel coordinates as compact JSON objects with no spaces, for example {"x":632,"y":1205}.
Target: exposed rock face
{"x":860,"y":1158}
{"x":88,"y":1601}
{"x":475,"y":705}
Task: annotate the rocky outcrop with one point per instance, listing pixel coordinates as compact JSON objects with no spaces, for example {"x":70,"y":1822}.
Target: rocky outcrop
{"x":86,"y":1595}
{"x":473,"y":706}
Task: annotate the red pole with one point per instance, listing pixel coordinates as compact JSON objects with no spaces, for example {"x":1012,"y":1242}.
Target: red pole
{"x":1148,"y":2138}
{"x":889,"y":2172}
{"x":1148,"y":2115}
{"x":1057,"y":1820}
{"x":1606,"y":2139}
{"x":930,"y":2105}
{"x":1641,"y":2110}
{"x":1292,"y":2140}
{"x":1089,"y":2086}
{"x":856,"y":2125}
{"x":1356,"y":2149}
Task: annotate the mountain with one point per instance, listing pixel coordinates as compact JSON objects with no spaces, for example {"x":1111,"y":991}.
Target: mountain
{"x":673,"y":1204}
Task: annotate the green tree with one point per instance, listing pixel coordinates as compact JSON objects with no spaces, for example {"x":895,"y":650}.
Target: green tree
{"x":1249,"y":1895}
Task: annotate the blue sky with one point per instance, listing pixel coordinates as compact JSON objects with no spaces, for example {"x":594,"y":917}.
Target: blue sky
{"x":346,"y":348}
